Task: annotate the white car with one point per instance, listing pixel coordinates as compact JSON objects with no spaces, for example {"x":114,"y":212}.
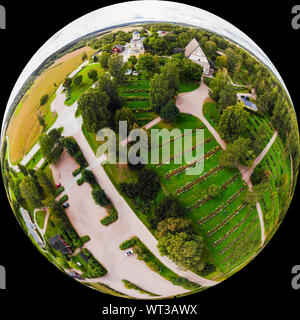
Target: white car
{"x":128,"y":253}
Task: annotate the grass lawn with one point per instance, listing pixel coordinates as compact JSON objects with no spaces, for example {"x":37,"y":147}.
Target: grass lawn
{"x":40,"y":218}
{"x":77,"y":91}
{"x":187,"y":86}
{"x":91,"y":139}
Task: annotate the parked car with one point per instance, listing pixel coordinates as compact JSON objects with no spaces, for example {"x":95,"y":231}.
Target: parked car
{"x":58,"y":185}
{"x":128,"y":253}
{"x":66,"y":205}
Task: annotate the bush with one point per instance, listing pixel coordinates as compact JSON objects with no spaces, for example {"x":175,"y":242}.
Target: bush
{"x":59,"y":191}
{"x":128,"y":244}
{"x":80,"y":181}
{"x":44,"y":99}
{"x":63,"y":199}
{"x":88,"y":177}
{"x":71,"y":146}
{"x":112,"y":217}
{"x":100,"y":197}
{"x":169,"y":112}
{"x":76,"y":172}
{"x":80,"y":159}
{"x":85,"y":239}
{"x":185,"y":283}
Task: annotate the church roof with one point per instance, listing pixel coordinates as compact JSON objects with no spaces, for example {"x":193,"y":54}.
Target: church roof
{"x":191,"y":47}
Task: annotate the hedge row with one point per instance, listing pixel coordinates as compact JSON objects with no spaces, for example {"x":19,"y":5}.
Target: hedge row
{"x":112,"y":217}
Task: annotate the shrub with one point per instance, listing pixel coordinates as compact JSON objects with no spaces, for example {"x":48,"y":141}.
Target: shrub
{"x":128,"y":244}
{"x":85,"y":239}
{"x":112,"y":217}
{"x":59,"y":191}
{"x":80,"y":181}
{"x":185,"y":283}
{"x":63,"y":199}
{"x":76,"y":172}
{"x":80,"y":159}
{"x":169,"y":112}
{"x":99,"y":196}
{"x":71,"y":146}
{"x":88,"y":177}
{"x":44,"y":99}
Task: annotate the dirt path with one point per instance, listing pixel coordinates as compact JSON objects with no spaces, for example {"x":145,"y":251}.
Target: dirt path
{"x":152,"y":123}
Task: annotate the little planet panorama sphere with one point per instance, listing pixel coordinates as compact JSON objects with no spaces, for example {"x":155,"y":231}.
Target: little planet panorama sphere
{"x":150,"y":157}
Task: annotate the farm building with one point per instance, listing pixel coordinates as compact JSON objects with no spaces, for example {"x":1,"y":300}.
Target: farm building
{"x":161,"y":33}
{"x":194,"y":52}
{"x":58,"y":243}
{"x":117,"y":48}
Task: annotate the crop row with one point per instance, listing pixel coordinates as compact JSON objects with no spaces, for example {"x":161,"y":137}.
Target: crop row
{"x":221,"y":207}
{"x":208,"y":197}
{"x":185,"y":151}
{"x":224,"y":222}
{"x":189,"y":185}
{"x":230,"y":232}
{"x":239,"y":237}
{"x":188,"y":165}
{"x":235,"y":250}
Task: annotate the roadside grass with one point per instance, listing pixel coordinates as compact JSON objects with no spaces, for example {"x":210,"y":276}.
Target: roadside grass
{"x":24,"y":128}
{"x":91,"y":139}
{"x":187,"y":86}
{"x":130,"y":285}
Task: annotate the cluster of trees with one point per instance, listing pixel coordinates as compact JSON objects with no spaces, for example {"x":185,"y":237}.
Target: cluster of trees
{"x":98,"y":105}
{"x":51,"y":145}
{"x":163,"y":88}
{"x":146,"y":187}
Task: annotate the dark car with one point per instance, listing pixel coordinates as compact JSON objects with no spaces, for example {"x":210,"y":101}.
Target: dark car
{"x":66,"y":205}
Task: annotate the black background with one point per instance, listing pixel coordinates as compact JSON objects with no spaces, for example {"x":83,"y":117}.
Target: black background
{"x":36,"y":289}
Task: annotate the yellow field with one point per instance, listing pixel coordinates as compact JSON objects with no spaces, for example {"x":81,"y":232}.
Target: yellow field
{"x":24,"y":128}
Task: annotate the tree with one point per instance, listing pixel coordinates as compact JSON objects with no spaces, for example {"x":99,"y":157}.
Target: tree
{"x":41,"y":120}
{"x":67,"y":83}
{"x":44,"y":99}
{"x":116,"y":68}
{"x":84,"y":56}
{"x":184,"y":249}
{"x":237,"y":153}
{"x":173,"y":225}
{"x":159,"y":93}
{"x":51,"y":145}
{"x":106,"y":85}
{"x":45,"y":182}
{"x":88,"y":176}
{"x":169,"y":112}
{"x":104,"y":59}
{"x":23,"y":169}
{"x":93,"y":106}
{"x":78,"y":80}
{"x":221,"y":62}
{"x":71,"y":146}
{"x":147,"y":184}
{"x":31,"y":193}
{"x":258,"y":192}
{"x":148,"y":63}
{"x":171,"y":74}
{"x":227,"y":97}
{"x":214,"y":190}
{"x":170,"y":207}
{"x":100,"y":197}
{"x":125,"y":114}
{"x":233,"y":122}
{"x":93,"y":75}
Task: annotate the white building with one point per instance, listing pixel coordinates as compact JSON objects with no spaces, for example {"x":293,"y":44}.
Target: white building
{"x":136,"y":44}
{"x":194,"y":52}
